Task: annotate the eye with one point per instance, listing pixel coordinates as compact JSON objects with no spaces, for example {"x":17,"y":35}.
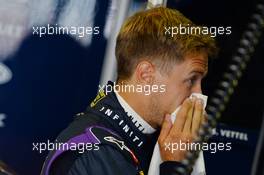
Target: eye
{"x":191,"y":81}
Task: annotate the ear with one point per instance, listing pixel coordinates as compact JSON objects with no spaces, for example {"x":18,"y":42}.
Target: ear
{"x":145,"y":72}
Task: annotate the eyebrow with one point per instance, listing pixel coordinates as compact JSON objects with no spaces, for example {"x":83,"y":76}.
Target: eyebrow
{"x":199,"y":72}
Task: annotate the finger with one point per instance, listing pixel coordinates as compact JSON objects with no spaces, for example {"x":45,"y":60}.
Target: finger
{"x":204,"y":118}
{"x":197,"y":116}
{"x":188,"y":122}
{"x":166,"y":127}
{"x":181,"y":116}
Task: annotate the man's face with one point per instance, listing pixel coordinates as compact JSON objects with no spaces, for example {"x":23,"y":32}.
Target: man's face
{"x":184,"y":79}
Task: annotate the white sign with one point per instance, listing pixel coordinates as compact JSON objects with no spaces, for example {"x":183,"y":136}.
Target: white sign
{"x":2,"y":117}
{"x":5,"y":74}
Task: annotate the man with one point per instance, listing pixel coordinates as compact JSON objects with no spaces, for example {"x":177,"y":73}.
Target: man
{"x":157,"y":72}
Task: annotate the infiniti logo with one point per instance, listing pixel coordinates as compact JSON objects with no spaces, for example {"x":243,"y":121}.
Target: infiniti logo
{"x":5,"y":74}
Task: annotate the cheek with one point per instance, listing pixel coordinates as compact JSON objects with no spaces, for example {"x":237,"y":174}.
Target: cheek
{"x":184,"y":93}
{"x":175,"y":97}
{"x":170,"y":99}
{"x":175,"y":93}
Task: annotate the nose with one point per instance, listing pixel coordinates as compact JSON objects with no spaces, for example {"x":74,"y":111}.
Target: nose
{"x":197,"y":88}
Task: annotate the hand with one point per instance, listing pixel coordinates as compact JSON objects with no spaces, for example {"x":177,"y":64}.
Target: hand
{"x":183,"y":131}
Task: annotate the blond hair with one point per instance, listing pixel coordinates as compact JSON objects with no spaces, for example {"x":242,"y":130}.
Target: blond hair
{"x":143,"y":36}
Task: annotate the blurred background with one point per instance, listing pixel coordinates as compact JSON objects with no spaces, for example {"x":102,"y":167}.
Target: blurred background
{"x":45,"y":81}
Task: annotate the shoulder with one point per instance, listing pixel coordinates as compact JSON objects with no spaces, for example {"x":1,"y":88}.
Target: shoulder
{"x":106,"y":160}
{"x":96,"y":149}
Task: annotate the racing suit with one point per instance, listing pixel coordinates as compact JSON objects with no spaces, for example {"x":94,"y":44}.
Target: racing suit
{"x":114,"y":145}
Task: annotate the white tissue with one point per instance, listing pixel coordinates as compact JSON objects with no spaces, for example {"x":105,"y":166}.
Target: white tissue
{"x":199,"y":167}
